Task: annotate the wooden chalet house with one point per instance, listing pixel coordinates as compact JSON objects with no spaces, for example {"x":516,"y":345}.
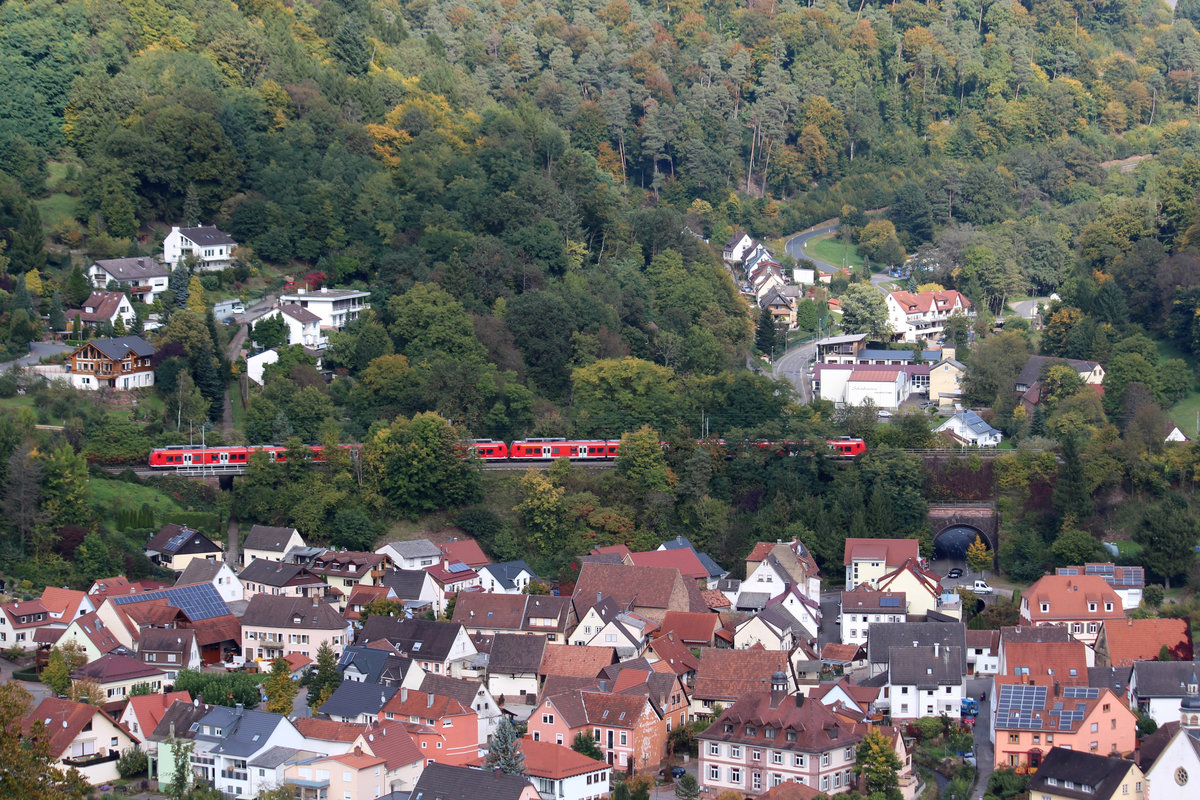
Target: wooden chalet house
{"x":121,"y":363}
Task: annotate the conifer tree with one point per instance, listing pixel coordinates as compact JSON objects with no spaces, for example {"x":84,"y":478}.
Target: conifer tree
{"x":58,"y":319}
{"x":325,"y":677}
{"x":504,"y":751}
{"x":279,"y":688}
{"x":76,"y":289}
{"x":195,"y":300}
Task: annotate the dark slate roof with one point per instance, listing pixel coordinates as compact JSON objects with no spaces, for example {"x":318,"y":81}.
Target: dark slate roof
{"x":406,"y":583}
{"x":276,"y":573}
{"x":1164,"y":678}
{"x":132,"y":269}
{"x":207,"y":235}
{"x":514,"y":653}
{"x":918,"y":666}
{"x":416,"y":548}
{"x":299,"y":313}
{"x":178,"y":720}
{"x":299,"y":613}
{"x":1032,"y":371}
{"x":973,"y":421}
{"x":506,"y":572}
{"x":1103,"y":774}
{"x":352,"y":698}
{"x":434,"y":638}
{"x":265,"y":537}
{"x":199,"y":570}
{"x":1115,"y":678}
{"x":172,"y":539}
{"x":886,"y":635}
{"x":375,"y":664}
{"x":118,"y":348}
{"x":446,"y":782}
{"x":462,"y":690}
{"x":244,"y":731}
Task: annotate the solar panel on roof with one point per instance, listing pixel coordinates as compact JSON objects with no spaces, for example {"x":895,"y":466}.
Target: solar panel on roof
{"x":199,"y":601}
{"x":1067,"y":571}
{"x":178,"y":539}
{"x":1099,"y":569}
{"x":458,"y":567}
{"x":889,"y":602}
{"x":1086,"y":692}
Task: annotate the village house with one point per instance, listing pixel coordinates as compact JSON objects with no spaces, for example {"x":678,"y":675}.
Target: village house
{"x":117,"y":675}
{"x":273,"y":627}
{"x":946,"y":379}
{"x":211,"y":248}
{"x":450,"y":578}
{"x":91,"y":634}
{"x":508,"y":577}
{"x":359,"y":703}
{"x":1157,"y":688}
{"x":143,"y":713}
{"x":887,"y":387}
{"x":80,"y":735}
{"x":969,"y":429}
{"x":1121,"y":643}
{"x":20,"y":621}
{"x":1128,"y":582}
{"x":471,"y":694}
{"x":467,"y":551}
{"x":648,"y":591}
{"x":683,"y":559}
{"x":415,"y":588}
{"x":868,"y":560}
{"x":443,"y":648}
{"x":1035,"y":713}
{"x":362,"y":596}
{"x":1081,"y":602}
{"x":864,"y":606}
{"x":174,"y":547}
{"x":794,"y":559}
{"x":722,"y":676}
{"x":169,"y":649}
{"x":1170,"y":757}
{"x":924,"y":682}
{"x":771,"y":628}
{"x":277,"y":578}
{"x":449,"y":782}
{"x":351,"y":775}
{"x":914,"y":317}
{"x":228,"y":739}
{"x":378,"y":664}
{"x":1030,"y":376}
{"x":122,"y":363}
{"x":560,"y":773}
{"x":445,"y":730}
{"x":103,"y":308}
{"x":335,"y":308}
{"x":344,"y":571}
{"x":144,"y":279}
{"x":412,"y":554}
{"x":403,"y":760}
{"x":269,"y":543}
{"x":922,"y":590}
{"x":1072,"y":775}
{"x":514,"y":664}
{"x":627,"y":728}
{"x":888,"y":635}
{"x":216,"y":573}
{"x":767,"y":738}
{"x":303,"y":326}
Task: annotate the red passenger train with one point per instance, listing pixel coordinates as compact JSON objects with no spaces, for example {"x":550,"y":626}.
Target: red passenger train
{"x":184,"y":457}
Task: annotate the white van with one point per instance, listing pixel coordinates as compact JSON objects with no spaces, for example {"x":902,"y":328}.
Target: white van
{"x":981,"y":587}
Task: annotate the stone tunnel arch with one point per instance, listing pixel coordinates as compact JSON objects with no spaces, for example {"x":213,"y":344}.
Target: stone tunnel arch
{"x":954,"y":540}
{"x":955,"y":526}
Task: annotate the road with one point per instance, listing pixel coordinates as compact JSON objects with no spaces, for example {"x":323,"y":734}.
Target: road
{"x":795,"y":245}
{"x":984,"y":749}
{"x":793,"y":367}
{"x":37,"y":351}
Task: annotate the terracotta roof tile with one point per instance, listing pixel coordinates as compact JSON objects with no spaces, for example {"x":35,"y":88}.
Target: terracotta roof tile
{"x":63,"y":720}
{"x":328,"y":730}
{"x":690,"y":627}
{"x":683,"y":560}
{"x":715,"y":599}
{"x":467,"y":551}
{"x":1143,"y":639}
{"x":891,"y":551}
{"x":392,"y":741}
{"x":728,"y":674}
{"x":641,"y":587}
{"x":847,"y":653}
{"x":580,"y":662}
{"x":556,"y":761}
{"x":675,"y":654}
{"x":1040,"y":657}
{"x":1069,"y":598}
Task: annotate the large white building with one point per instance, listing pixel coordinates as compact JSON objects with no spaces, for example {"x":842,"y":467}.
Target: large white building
{"x":303,"y":326}
{"x":335,"y":308}
{"x":212,"y":247}
{"x":854,"y":384}
{"x":914,"y":317}
{"x":143,"y":278}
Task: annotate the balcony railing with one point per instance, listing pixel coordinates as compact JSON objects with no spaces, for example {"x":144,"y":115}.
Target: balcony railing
{"x":88,"y":761}
{"x":235,"y":775}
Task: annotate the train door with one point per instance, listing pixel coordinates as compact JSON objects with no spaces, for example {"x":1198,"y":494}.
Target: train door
{"x":224,"y":457}
{"x":582,"y":451}
{"x":547,"y":451}
{"x":187,"y":458}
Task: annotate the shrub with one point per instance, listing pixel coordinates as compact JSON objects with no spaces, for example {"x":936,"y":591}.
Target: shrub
{"x":133,"y":762}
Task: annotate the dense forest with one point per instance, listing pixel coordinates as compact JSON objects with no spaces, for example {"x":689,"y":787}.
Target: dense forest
{"x":536,"y":196}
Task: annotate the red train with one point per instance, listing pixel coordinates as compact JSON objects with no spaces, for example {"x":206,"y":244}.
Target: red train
{"x":188,"y":456}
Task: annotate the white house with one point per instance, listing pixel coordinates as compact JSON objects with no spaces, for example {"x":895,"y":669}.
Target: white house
{"x":303,"y":326}
{"x":924,"y":682}
{"x":1158,"y":687}
{"x":213,"y":248}
{"x":335,"y":308}
{"x":412,"y":554}
{"x":81,"y":736}
{"x":854,"y":384}
{"x":864,"y":606}
{"x":227,"y":738}
{"x":102,"y":308}
{"x":257,"y":364}
{"x":217,"y":573}
{"x":143,"y":278}
{"x":1178,"y":764}
{"x":770,"y":628}
{"x":507,"y":577}
{"x":920,"y":316}
{"x":737,"y":247}
{"x":968,"y":428}
{"x":270,"y":543}
{"x":560,"y":773}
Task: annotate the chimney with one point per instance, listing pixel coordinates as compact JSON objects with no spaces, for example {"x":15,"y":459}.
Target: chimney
{"x":403,"y":694}
{"x":238,"y":709}
{"x":429,"y":699}
{"x":357,"y":750}
{"x":599,"y":597}
{"x":936,"y":648}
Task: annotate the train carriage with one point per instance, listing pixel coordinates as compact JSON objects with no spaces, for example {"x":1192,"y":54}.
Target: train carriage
{"x":576,"y":449}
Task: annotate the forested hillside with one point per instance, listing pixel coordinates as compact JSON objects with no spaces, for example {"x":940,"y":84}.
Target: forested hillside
{"x":536,"y":196}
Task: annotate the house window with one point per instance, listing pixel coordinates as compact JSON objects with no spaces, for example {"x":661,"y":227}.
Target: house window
{"x":756,"y":780}
{"x":735,"y":775}
{"x":1014,"y":738}
{"x":848,"y":754}
{"x":798,"y":760}
{"x":825,"y":759}
{"x":624,"y":738}
{"x":714,"y":773}
{"x":1095,"y":727}
{"x":548,"y":719}
{"x":776,"y":757}
{"x":714,"y":749}
{"x":735,"y":751}
{"x":756,"y":755}
{"x":1045,"y":608}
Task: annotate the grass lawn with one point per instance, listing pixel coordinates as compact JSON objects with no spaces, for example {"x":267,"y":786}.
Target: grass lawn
{"x":831,"y":251}
{"x":56,"y":208}
{"x":1128,"y":549}
{"x":27,"y":401}
{"x":111,"y":495}
{"x":1184,"y":413}
{"x":239,"y":411}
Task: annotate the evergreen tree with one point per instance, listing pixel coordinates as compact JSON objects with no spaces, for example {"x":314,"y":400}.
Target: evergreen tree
{"x":57,"y":673}
{"x":76,"y":289}
{"x":764,"y":336}
{"x":325,"y":677}
{"x":33,"y":283}
{"x":58,"y":319}
{"x":94,"y":560}
{"x":586,"y":745}
{"x":1071,"y":495}
{"x":21,"y":298}
{"x":178,"y":284}
{"x":208,"y":380}
{"x":504,"y":751}
{"x":191,"y":207}
{"x":279,"y":688}
{"x":28,"y":251}
{"x":687,"y":787}
{"x":119,"y":326}
{"x":77,"y":328}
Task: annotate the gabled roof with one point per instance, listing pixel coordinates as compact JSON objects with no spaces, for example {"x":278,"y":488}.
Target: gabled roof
{"x":167,"y":640}
{"x":132,"y":269}
{"x":728,"y":674}
{"x":116,"y":349}
{"x":1069,"y":597}
{"x":99,"y":633}
{"x":278,"y":574}
{"x":891,"y":552}
{"x":63,"y":721}
{"x":684,"y":560}
{"x":556,"y":761}
{"x":1113,"y":678}
{"x":581,"y":662}
{"x":874,"y":375}
{"x":299,"y":313}
{"x":214,"y":630}
{"x":689,"y":627}
{"x":207,"y":235}
{"x":244,"y":731}
{"x":446,"y":782}
{"x":100,"y":307}
{"x":1031,"y":373}
{"x":941,"y":300}
{"x":489,"y":610}
{"x":150,"y":708}
{"x":926,"y":667}
{"x":111,"y":668}
{"x":1061,"y":771}
{"x":406,"y":583}
{"x":177,"y":720}
{"x":373,"y":663}
{"x":546,"y":613}
{"x":171,"y":538}
{"x":328,"y":730}
{"x":639,"y":587}
{"x":462,"y":690}
{"x":421,"y":639}
{"x":514,"y":653}
{"x":352,"y":698}
{"x":682,"y":542}
{"x":392,"y":741}
{"x":62,"y":603}
{"x":467,"y":551}
{"x":886,"y":635}
{"x":838,"y":653}
{"x":866,"y":599}
{"x":1133,"y":640}
{"x":816,"y":727}
{"x":268,"y":538}
{"x":415,"y":548}
{"x":970,"y":420}
{"x":428,"y":705}
{"x":199,"y":570}
{"x":300,"y":613}
{"x":506,"y":572}
{"x":674,"y":654}
{"x":1165,"y":678}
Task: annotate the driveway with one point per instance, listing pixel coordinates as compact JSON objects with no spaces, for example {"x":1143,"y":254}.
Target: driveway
{"x":37,"y":351}
{"x":39,"y":690}
{"x":793,"y":367}
{"x":831,"y":628}
{"x":984,"y":750}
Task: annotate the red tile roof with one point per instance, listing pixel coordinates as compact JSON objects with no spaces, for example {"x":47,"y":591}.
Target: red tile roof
{"x":467,"y":551}
{"x":891,"y":552}
{"x":1143,"y":639}
{"x":790,"y":790}
{"x":297,"y":661}
{"x":847,"y":653}
{"x":715,"y":599}
{"x":874,"y":375}
{"x":150,"y":708}
{"x":690,"y":627}
{"x":943,"y":300}
{"x":674,"y":654}
{"x":99,"y":307}
{"x":328,"y":730}
{"x":62,"y":603}
{"x":393,"y":742}
{"x":1041,"y":657}
{"x":218,"y":629}
{"x":641,"y":587}
{"x":98,"y":632}
{"x":28,"y":609}
{"x":608,"y":549}
{"x":556,"y":761}
{"x":581,"y":662}
{"x":1069,"y":597}
{"x":63,"y":720}
{"x":681,"y":559}
{"x":112,"y":668}
{"x":728,"y":674}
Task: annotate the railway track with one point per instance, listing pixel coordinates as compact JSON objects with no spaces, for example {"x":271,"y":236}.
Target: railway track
{"x":216,"y":471}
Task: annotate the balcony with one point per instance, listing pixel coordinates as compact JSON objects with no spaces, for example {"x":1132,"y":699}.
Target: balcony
{"x":235,"y":775}
{"x":90,"y":761}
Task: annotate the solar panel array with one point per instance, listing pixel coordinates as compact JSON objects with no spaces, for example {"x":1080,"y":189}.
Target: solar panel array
{"x":889,"y":602}
{"x":1016,"y":706}
{"x":178,"y":540}
{"x":200,"y":601}
{"x":457,"y":567}
{"x":1085,"y":692}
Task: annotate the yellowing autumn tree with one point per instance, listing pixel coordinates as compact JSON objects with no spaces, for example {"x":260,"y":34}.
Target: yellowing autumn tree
{"x":195,"y":301}
{"x":420,"y":112}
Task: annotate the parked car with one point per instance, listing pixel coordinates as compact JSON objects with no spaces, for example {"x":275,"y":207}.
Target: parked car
{"x":885,"y":414}
{"x":954,"y":574}
{"x":970,"y":707}
{"x":677,"y":772}
{"x":981,"y":587}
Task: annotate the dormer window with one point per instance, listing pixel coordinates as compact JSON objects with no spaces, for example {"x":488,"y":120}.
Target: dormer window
{"x":1092,"y":607}
{"x":1108,"y":606}
{"x":751,"y":730}
{"x":728,"y":727}
{"x":769,"y":733}
{"x":1045,"y":608}
{"x":790,"y":736}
